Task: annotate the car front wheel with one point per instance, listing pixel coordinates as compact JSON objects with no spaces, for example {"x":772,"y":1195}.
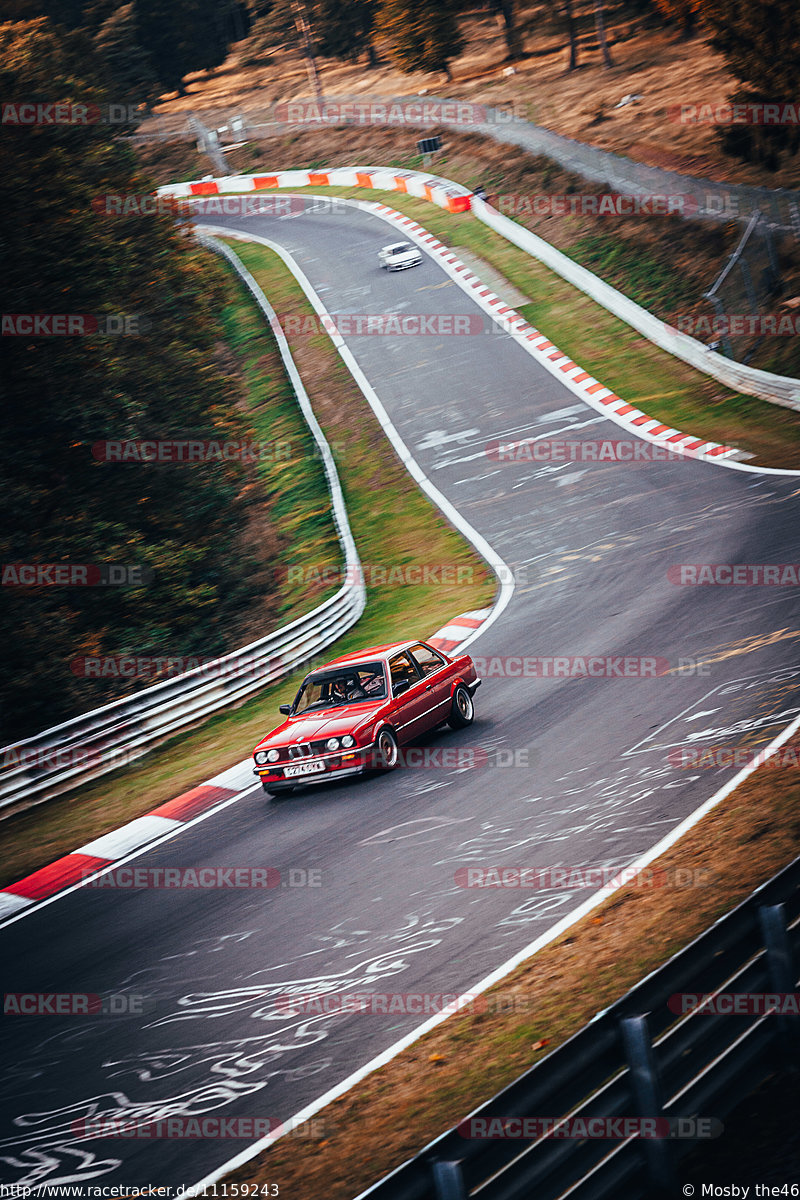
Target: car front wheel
{"x":463,"y":710}
{"x":386,"y":752}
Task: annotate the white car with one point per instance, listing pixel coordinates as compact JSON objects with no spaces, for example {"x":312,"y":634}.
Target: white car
{"x":399,"y":256}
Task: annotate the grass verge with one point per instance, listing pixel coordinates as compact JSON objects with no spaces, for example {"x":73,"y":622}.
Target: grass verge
{"x":393,"y":523}
{"x":626,"y":362}
{"x":427,"y":1089}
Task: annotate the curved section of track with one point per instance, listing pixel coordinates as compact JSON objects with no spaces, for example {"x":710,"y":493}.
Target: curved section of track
{"x":590,"y":782}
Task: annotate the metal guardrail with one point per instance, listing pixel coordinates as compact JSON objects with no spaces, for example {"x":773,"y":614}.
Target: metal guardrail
{"x":783,"y":390}
{"x":85,"y":747}
{"x":634,"y":1059}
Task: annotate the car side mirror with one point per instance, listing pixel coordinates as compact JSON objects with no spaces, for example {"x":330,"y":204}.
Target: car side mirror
{"x":401,"y":687}
{"x":285,"y":709}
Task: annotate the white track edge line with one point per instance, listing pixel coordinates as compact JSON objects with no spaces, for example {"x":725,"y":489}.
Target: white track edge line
{"x":478,"y":541}
{"x":499,"y":973}
{"x":462,"y":279}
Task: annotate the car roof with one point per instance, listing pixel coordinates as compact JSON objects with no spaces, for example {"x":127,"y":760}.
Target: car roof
{"x":370,"y":654}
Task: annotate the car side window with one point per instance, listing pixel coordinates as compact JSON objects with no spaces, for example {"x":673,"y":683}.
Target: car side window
{"x":426,"y":659}
{"x":402,"y":668}
{"x":372,"y":680}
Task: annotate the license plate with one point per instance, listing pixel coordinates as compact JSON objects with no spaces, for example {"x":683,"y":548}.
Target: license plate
{"x":304,"y":769}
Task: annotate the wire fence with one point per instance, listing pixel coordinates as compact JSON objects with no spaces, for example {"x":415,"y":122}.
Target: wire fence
{"x":745,"y":291}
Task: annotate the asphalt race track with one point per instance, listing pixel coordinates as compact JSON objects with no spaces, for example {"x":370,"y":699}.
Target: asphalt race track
{"x":589,"y":781}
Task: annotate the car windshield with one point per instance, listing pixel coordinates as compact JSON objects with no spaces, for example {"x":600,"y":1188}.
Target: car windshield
{"x":400,"y":248}
{"x":347,"y":685}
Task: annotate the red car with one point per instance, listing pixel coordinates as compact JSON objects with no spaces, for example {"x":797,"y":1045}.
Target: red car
{"x":353,"y":714}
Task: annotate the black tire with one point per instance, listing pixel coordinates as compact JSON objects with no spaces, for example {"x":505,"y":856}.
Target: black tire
{"x":386,"y":751}
{"x":463,"y":710}
{"x":275,"y":794}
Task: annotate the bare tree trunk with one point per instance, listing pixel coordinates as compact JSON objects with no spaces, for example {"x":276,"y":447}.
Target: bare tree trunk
{"x":573,"y":40}
{"x":600,"y":26}
{"x":689,"y":18}
{"x":513,"y":39}
{"x":301,"y":25}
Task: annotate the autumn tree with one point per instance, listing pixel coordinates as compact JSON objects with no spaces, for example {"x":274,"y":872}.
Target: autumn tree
{"x":128,"y":68}
{"x":682,"y":13}
{"x":600,"y":27}
{"x":423,"y":35}
{"x":345,"y":29}
{"x":760,"y":41}
{"x":572,"y":33}
{"x":63,"y":252}
{"x":505,"y":10}
{"x":181,"y":36}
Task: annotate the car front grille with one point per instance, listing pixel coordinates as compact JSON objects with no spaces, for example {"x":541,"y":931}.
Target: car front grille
{"x":301,"y":750}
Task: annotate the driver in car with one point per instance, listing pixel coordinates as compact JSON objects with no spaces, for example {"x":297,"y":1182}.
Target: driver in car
{"x":345,"y":689}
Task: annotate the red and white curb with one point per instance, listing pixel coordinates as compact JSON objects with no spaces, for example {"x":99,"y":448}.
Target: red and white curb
{"x":455,"y":198}
{"x":580,"y":382}
{"x":102,"y":852}
{"x":443,"y":192}
{"x":461,"y":628}
{"x":137,"y":836}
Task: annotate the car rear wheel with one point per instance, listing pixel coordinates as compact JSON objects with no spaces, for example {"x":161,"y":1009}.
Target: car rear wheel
{"x":463,"y":709}
{"x":386,"y":752}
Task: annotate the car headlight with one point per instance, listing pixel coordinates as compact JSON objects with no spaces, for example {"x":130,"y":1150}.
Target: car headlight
{"x":332,"y":744}
{"x":265,"y":756}
{"x":348,"y":741}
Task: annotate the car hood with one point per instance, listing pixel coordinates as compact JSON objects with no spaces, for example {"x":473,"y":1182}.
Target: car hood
{"x":329,"y":723}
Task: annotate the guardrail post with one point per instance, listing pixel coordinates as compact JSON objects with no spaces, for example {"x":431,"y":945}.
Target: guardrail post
{"x":448,"y":1181}
{"x":780,"y":964}
{"x":646,"y":1087}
